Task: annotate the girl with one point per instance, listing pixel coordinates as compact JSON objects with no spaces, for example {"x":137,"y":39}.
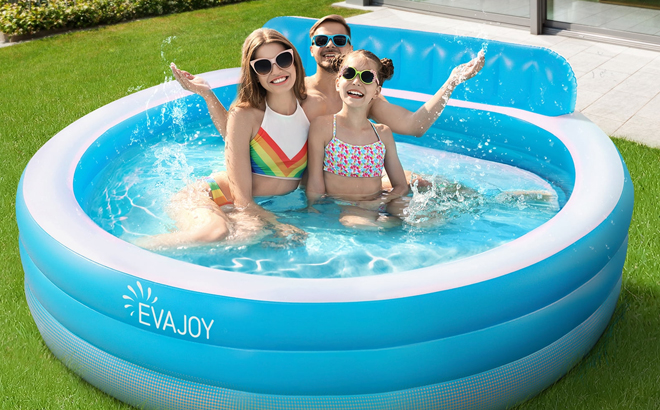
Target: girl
{"x":265,"y":149}
{"x":347,"y":153}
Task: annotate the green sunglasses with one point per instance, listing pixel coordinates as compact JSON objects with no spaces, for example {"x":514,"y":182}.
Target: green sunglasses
{"x":366,"y":76}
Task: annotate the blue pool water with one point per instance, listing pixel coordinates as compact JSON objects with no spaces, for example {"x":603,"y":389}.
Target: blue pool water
{"x":466,"y":213}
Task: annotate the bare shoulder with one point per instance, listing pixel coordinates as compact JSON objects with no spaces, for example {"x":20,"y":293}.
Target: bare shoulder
{"x":309,"y":84}
{"x":314,"y":105}
{"x":244,"y":121}
{"x":321,"y":122}
{"x":314,"y":95}
{"x":246,"y":113}
{"x":384,"y":132}
{"x":320,"y":128}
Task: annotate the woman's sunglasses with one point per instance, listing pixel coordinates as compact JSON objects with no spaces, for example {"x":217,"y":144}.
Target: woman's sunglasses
{"x":322,"y":40}
{"x":366,"y":76}
{"x":263,"y":66}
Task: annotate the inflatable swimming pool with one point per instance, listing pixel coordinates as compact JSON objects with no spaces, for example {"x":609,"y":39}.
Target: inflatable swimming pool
{"x":482,"y":332}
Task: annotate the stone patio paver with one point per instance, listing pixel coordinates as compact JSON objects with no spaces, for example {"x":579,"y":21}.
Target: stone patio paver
{"x":651,"y":110}
{"x":601,"y":80}
{"x":629,"y":61}
{"x":640,"y":83}
{"x":586,"y":98}
{"x":617,"y":105}
{"x":652,"y":67}
{"x":641,"y":129}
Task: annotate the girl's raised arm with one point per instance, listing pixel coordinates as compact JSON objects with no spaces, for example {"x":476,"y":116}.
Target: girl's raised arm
{"x":417,"y":123}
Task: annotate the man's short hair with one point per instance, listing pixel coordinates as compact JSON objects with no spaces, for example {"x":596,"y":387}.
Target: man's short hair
{"x":335,"y":18}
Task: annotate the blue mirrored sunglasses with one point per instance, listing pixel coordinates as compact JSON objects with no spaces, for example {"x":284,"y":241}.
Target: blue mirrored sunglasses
{"x":339,"y":40}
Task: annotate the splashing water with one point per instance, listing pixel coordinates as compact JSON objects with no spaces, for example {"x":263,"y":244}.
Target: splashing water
{"x":168,"y":52}
{"x":470,"y":206}
{"x":442,"y":201}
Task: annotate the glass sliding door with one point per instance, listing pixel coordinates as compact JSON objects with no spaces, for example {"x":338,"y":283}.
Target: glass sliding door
{"x":519,"y":8}
{"x":641,"y":18}
{"x":627,"y":21}
{"x":505,"y":11}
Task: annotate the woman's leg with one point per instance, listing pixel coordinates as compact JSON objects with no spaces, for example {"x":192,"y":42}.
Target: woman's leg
{"x":197,"y":216}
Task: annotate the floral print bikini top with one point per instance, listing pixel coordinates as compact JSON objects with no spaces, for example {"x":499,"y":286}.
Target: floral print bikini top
{"x":359,"y":161}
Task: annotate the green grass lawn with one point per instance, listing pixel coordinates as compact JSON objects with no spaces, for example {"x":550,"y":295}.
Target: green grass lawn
{"x":652,"y":4}
{"x":49,"y":83}
{"x":623,"y":369}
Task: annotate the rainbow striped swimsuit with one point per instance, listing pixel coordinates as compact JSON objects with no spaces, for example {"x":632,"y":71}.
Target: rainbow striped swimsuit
{"x":279,"y":150}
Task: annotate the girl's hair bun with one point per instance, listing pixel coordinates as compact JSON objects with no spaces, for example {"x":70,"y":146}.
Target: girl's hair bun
{"x":385,"y":65}
{"x":386,"y":69}
{"x":337,"y":62}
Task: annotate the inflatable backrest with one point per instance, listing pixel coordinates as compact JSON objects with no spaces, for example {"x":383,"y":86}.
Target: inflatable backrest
{"x":529,"y":78}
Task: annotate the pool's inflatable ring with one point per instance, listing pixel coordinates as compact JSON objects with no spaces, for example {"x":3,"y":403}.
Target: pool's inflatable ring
{"x":482,"y":332}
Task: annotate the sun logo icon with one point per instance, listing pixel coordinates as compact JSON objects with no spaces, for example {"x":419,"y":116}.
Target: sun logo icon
{"x":134,"y":298}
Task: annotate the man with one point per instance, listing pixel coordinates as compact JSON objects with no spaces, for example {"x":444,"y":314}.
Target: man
{"x":333,"y":29}
{"x":321,"y":86}
{"x":324,"y":98}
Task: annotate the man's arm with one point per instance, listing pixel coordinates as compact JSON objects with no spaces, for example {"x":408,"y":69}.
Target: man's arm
{"x":402,"y":121}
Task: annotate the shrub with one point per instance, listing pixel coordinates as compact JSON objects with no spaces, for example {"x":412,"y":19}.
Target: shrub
{"x":30,"y":17}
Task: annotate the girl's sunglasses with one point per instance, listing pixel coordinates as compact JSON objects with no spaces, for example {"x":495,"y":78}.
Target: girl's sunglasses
{"x":366,"y":76}
{"x":263,"y":66}
{"x":322,"y":40}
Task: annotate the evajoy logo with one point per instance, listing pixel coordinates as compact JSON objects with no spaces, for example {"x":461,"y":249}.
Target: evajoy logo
{"x":148,"y":316}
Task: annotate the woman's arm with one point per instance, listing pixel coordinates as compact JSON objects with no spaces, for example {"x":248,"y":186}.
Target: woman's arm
{"x":402,"y":121}
{"x":201,"y":87}
{"x":319,"y":130}
{"x":240,"y":128}
{"x":242,"y":124}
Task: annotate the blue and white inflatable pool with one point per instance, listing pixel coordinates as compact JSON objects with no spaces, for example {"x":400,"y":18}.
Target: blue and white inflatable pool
{"x":483,"y":332}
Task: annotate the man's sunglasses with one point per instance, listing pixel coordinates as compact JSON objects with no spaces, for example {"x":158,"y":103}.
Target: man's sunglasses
{"x":367,"y":76}
{"x":322,"y":40}
{"x":264,"y":66}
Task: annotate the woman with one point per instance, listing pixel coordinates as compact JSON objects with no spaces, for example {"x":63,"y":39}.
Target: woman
{"x":265,"y":148}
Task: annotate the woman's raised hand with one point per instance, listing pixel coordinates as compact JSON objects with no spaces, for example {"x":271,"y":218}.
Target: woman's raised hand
{"x":468,"y":70}
{"x":189,"y":82}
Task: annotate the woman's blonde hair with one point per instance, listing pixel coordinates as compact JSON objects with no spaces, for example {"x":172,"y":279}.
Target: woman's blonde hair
{"x":250,"y":92}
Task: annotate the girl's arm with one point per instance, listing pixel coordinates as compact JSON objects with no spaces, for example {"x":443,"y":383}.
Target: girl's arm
{"x":392,"y":164}
{"x":402,"y":121}
{"x":201,"y":87}
{"x":316,"y":142}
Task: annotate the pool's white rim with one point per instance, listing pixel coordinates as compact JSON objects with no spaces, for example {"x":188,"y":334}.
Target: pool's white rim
{"x":50,"y":175}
